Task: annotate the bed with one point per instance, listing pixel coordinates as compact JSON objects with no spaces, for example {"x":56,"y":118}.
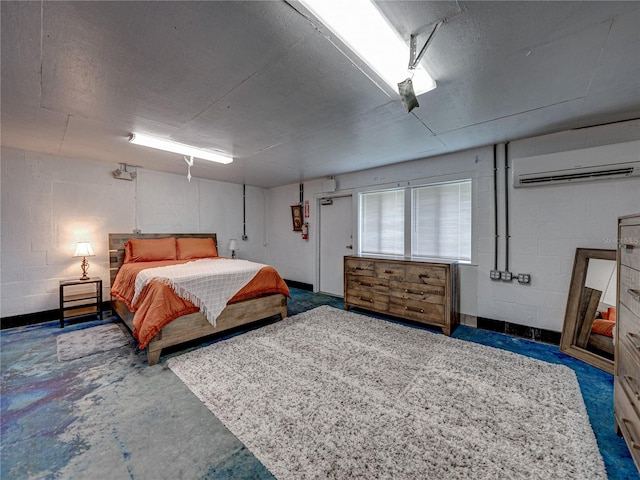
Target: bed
{"x":264,"y":296}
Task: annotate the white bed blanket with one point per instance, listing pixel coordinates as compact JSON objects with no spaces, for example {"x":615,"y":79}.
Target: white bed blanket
{"x":208,"y":283}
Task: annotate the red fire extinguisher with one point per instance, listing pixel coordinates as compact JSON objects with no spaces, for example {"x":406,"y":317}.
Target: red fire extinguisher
{"x":305,"y":231}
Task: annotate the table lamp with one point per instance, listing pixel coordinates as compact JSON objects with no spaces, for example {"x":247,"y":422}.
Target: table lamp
{"x":233,"y":246}
{"x":84,"y":250}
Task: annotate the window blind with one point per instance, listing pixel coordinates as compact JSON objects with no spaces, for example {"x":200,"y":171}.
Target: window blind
{"x":382,"y":222}
{"x":441,"y":221}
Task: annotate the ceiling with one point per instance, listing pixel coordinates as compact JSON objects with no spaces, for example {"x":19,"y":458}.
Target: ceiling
{"x":259,"y":80}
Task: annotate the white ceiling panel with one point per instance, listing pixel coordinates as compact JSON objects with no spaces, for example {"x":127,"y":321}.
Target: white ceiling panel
{"x":259,"y":80}
{"x":311,"y":87}
{"x":20,"y":62}
{"x":166,"y":60}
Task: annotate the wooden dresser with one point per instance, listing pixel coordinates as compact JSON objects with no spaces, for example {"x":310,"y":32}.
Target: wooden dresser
{"x":627,"y":354}
{"x":419,"y":290}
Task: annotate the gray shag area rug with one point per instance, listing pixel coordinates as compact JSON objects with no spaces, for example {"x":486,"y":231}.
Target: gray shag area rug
{"x":88,"y":341}
{"x":333,"y":394}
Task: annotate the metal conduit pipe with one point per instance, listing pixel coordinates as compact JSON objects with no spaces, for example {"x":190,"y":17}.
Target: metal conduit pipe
{"x":495,"y":207}
{"x":506,"y":207}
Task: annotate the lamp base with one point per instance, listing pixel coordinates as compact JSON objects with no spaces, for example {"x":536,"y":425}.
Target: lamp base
{"x":233,"y":254}
{"x":85,"y":266}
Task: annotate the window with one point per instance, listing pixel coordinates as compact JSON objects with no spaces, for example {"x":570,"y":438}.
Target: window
{"x":440,"y":221}
{"x":382,"y":222}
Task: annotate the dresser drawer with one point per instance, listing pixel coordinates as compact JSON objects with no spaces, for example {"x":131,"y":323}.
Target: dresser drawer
{"x":629,"y":330}
{"x":630,"y":246}
{"x":389,"y":270}
{"x":417,"y":291}
{"x":627,"y":419}
{"x":629,"y":376}
{"x":368,"y":300}
{"x":431,"y":313}
{"x":630,"y":288}
{"x":355,"y":266}
{"x":360,"y":283}
{"x":426,"y":274}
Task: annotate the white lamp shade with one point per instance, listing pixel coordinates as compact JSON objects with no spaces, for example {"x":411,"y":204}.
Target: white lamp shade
{"x":233,"y":244}
{"x":84,"y":250}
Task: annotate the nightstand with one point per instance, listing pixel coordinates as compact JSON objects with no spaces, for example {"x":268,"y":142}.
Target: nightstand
{"x":80,"y":298}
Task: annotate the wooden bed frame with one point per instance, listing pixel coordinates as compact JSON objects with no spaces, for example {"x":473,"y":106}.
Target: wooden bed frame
{"x":195,"y":325}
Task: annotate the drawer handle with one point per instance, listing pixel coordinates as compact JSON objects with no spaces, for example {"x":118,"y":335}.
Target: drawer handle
{"x":412,"y":309}
{"x":628,"y":380}
{"x":634,"y":292}
{"x":365,"y":284}
{"x":633,"y":340}
{"x":358,"y":268}
{"x":414,"y":292}
{"x":424,"y":275}
{"x":388,"y":271}
{"x":627,"y":246}
{"x":634,"y":444}
{"x":366,"y":299}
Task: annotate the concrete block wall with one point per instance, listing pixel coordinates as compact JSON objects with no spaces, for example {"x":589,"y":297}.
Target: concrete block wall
{"x":293,"y":255}
{"x":547,"y":223}
{"x":50,"y":203}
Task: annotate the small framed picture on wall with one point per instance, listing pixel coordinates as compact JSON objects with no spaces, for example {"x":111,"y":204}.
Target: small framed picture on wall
{"x":296,"y":217}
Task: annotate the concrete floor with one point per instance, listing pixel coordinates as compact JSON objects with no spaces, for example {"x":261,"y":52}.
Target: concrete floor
{"x":109,"y":415}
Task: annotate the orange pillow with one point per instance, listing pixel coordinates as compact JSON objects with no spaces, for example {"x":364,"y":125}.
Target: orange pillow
{"x":191,"y":248}
{"x":612,"y":313}
{"x":152,"y":249}
{"x":603,"y":327}
{"x":127,"y":252}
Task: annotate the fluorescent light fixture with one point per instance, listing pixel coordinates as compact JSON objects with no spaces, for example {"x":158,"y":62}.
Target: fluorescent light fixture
{"x":169,"y":146}
{"x":360,"y":25}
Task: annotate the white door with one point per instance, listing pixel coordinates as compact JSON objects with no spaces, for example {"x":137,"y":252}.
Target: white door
{"x":336,"y":241}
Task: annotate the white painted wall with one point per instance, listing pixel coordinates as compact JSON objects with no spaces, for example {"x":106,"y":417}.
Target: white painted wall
{"x":292,"y":256}
{"x":50,"y":203}
{"x":547,"y":223}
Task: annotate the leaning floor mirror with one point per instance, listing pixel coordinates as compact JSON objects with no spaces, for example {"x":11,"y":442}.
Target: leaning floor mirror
{"x":589,"y":322}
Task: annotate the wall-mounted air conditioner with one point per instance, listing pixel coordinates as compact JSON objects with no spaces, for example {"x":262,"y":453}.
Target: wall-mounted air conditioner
{"x":618,"y":160}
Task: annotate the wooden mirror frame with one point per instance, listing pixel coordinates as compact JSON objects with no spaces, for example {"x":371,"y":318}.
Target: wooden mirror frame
{"x":578,"y":277}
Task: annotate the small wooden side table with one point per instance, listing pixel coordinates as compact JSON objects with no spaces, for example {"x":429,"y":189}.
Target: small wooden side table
{"x":76,"y":301}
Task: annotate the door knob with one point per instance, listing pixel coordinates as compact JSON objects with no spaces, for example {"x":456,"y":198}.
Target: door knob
{"x":350,"y":247}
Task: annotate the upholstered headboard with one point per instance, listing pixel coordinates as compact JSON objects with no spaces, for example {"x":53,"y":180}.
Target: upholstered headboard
{"x":117,"y":241}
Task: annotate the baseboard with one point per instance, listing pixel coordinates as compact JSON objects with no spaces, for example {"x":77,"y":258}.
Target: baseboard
{"x":530,"y":333}
{"x":300,"y":285}
{"x":500,"y":326}
{"x":38,"y":317}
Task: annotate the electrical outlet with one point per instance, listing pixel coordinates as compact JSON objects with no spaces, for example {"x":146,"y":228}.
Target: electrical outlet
{"x":245,"y":238}
{"x":506,"y":276}
{"x":524,"y":278}
{"x":494,"y":275}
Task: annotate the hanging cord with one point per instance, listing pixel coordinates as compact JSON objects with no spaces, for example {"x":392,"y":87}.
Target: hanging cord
{"x":190,"y":164}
